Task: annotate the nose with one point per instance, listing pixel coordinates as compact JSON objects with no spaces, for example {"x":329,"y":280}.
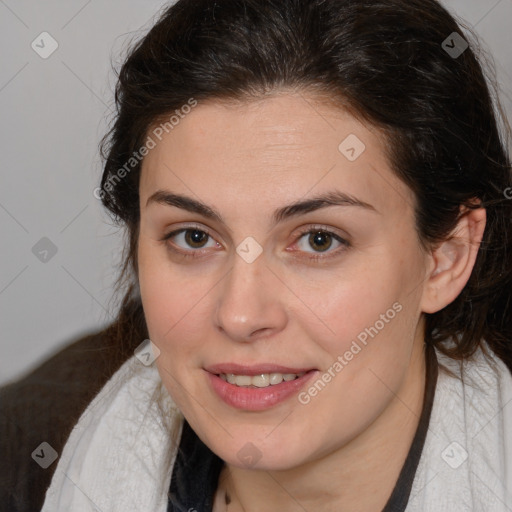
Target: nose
{"x":250,"y":304}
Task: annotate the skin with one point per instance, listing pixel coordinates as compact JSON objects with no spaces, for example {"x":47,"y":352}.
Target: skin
{"x":343,"y":451}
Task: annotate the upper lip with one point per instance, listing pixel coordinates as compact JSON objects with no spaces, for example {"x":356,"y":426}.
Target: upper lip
{"x":258,"y":369}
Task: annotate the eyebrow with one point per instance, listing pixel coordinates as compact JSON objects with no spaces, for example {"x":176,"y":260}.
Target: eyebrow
{"x":333,"y":198}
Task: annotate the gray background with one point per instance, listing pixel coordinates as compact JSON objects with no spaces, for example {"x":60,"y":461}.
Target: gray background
{"x":54,"y":113}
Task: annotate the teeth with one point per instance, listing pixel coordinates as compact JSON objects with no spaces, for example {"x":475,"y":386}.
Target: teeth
{"x":259,"y":381}
{"x":276,"y":378}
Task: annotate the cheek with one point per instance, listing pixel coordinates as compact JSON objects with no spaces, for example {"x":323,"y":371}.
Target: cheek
{"x":352,"y":302}
{"x":366,"y":351}
{"x":178,"y":306}
{"x":369,"y":321}
{"x":166,"y":297}
{"x":172,"y":312}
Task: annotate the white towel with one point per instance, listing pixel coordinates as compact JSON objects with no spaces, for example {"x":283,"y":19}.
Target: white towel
{"x":120,"y":455}
{"x":466,"y":463}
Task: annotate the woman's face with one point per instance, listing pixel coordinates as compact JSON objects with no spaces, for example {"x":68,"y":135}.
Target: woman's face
{"x":333,"y":290}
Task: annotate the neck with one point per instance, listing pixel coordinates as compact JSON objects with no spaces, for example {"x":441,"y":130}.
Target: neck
{"x":360,"y":476}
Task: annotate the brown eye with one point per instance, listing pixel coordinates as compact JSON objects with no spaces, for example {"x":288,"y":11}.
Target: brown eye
{"x":189,"y":241}
{"x":195,"y":238}
{"x":320,"y":240}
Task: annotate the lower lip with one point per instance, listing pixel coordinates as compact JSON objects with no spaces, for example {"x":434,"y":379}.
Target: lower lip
{"x":257,"y":399}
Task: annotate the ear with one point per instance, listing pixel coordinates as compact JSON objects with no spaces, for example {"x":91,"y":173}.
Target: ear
{"x":451,"y":263}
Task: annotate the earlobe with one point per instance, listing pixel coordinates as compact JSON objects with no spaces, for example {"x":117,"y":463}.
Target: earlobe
{"x":452,"y":261}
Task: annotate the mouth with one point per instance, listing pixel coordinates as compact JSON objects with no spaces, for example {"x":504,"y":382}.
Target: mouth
{"x":257,"y":376}
{"x":257,"y":388}
{"x":246,"y":369}
{"x":262,"y":380}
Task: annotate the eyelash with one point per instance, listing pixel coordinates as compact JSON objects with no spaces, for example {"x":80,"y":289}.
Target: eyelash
{"x":314,"y":229}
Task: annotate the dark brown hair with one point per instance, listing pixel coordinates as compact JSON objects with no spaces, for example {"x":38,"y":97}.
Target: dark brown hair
{"x":382,"y":60}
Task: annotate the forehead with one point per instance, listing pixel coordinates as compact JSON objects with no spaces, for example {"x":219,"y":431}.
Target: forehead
{"x":272,"y":151}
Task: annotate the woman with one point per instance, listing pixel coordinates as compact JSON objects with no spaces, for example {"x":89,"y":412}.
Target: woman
{"x":319,"y":248}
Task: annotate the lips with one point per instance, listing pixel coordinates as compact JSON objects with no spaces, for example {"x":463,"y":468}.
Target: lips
{"x":241,"y":369}
{"x":257,"y":399}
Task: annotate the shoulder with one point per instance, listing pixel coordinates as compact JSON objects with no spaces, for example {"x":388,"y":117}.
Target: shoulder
{"x":467,"y":457}
{"x":43,"y":407}
{"x":478,"y":386}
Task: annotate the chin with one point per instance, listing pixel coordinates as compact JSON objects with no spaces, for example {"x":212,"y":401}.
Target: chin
{"x":268,"y":455}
